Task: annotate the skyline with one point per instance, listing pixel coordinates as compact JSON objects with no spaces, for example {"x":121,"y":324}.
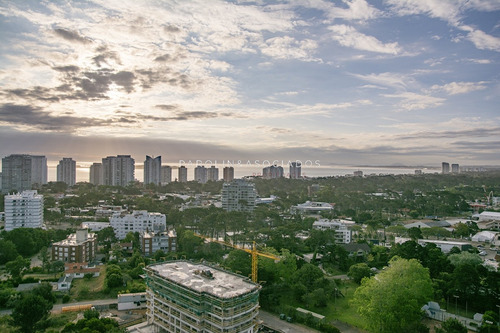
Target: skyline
{"x":346,"y":83}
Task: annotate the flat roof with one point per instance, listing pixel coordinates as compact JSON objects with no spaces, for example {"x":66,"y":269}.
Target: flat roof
{"x":222,"y":284}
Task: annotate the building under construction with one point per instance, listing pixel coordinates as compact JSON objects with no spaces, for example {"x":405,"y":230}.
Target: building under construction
{"x":187,"y":297}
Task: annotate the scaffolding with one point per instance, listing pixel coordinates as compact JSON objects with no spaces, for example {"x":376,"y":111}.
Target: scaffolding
{"x":174,"y":306}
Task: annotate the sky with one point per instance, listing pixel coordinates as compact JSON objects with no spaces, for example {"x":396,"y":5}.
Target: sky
{"x":391,"y":82}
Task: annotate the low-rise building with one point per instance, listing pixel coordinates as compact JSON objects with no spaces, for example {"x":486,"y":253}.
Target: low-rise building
{"x":312,"y":207}
{"x":131,"y":301}
{"x":187,"y":297}
{"x":64,"y":283}
{"x":138,"y":221}
{"x":445,"y":246}
{"x":94,"y":226}
{"x":23,"y":210}
{"x":78,"y":247}
{"x":155,"y":241}
{"x":78,"y":270}
{"x":342,"y":233}
{"x":485,"y":236}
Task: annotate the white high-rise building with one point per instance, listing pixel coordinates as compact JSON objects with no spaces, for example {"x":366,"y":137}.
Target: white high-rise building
{"x":138,"y":221}
{"x":200,"y":174}
{"x":23,"y":210}
{"x":96,"y":174}
{"x":166,"y":174}
{"x":152,"y":170}
{"x":238,"y":195}
{"x":118,"y":170}
{"x":295,"y":170}
{"x":22,"y":172}
{"x":66,"y":171}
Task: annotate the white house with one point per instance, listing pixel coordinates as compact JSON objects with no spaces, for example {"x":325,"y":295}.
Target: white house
{"x":484,"y":236}
{"x":342,"y":233}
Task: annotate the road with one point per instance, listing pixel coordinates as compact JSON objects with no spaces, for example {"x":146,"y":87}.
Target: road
{"x":58,"y":307}
{"x":273,"y":321}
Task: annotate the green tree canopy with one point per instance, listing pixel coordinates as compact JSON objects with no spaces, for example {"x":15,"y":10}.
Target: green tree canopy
{"x":29,"y":310}
{"x":359,"y":271}
{"x":452,"y":325}
{"x":391,"y":300}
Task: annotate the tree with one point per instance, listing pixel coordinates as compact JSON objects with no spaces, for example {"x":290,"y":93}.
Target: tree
{"x":464,"y":258}
{"x":452,"y":325}
{"x":391,"y":300}
{"x":29,"y":310}
{"x":8,"y":251}
{"x":415,"y":233}
{"x":17,"y":267}
{"x":44,"y":290}
{"x":359,"y":271}
{"x":45,"y":258}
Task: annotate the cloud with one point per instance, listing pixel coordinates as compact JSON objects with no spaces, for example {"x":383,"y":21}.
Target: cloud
{"x":357,"y":10}
{"x":452,"y":11}
{"x":413,"y":101}
{"x":72,"y":36}
{"x":289,"y":48}
{"x":34,"y":117}
{"x":394,"y":80}
{"x":348,"y":36}
{"x":484,"y":41}
{"x":455,"y":88}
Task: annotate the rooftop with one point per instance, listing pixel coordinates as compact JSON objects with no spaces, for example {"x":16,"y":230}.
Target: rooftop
{"x":190,"y":275}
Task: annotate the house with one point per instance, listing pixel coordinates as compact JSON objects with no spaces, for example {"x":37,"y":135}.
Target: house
{"x":64,"y":283}
{"x":484,"y":236}
{"x":79,"y":270}
{"x":357,"y":250}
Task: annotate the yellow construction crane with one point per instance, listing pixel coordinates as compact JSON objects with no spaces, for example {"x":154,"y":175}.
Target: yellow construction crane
{"x":253,"y":252}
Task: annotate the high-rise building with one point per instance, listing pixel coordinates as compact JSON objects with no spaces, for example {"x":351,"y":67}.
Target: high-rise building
{"x":23,"y":210}
{"x":118,"y":170}
{"x":238,"y":195}
{"x":272,"y":172}
{"x":455,"y":168}
{"x":138,"y":221}
{"x":22,"y":172}
{"x":66,"y":171}
{"x":445,"y":167}
{"x":295,"y":170}
{"x":186,"y":297}
{"x":79,"y":247}
{"x":228,"y":174}
{"x":166,"y":174}
{"x":212,"y":174}
{"x":152,"y":170}
{"x":183,"y":174}
{"x":96,"y":174}
{"x":200,"y":174}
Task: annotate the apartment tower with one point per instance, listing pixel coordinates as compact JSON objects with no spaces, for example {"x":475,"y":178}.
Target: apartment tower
{"x":66,"y":171}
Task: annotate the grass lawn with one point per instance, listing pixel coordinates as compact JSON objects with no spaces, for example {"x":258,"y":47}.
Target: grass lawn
{"x":337,"y":309}
{"x":88,"y":289}
{"x":58,"y":321}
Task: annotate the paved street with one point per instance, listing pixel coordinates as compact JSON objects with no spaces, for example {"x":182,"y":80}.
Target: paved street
{"x":275,"y":322}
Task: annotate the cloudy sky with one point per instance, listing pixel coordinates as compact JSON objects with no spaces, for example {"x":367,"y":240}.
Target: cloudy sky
{"x":411,"y":82}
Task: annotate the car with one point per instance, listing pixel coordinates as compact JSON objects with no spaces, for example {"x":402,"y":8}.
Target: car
{"x":482,"y":253}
